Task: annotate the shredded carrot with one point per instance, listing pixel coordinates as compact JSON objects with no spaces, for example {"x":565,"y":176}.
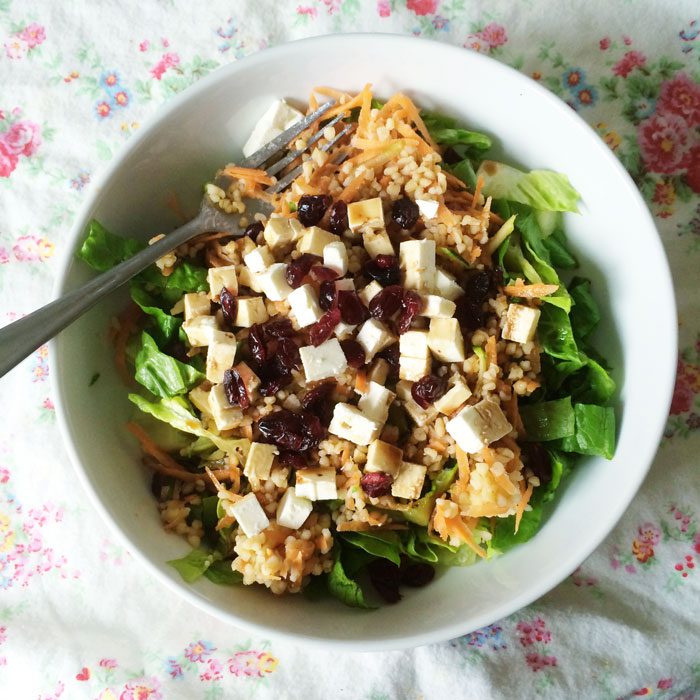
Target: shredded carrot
{"x":363,"y":119}
{"x":477,"y":190}
{"x":513,"y":413}
{"x":127,"y":323}
{"x":444,"y":215}
{"x":490,"y":349}
{"x":339,"y":109}
{"x":487,"y":511}
{"x":330,"y":92}
{"x":361,"y":383}
{"x":313,"y":103}
{"x":521,"y":506}
{"x":462,"y":463}
{"x":413,"y":114}
{"x":407,"y":132}
{"x":505,"y":483}
{"x":448,"y":527}
{"x":275,"y":535}
{"x":249,"y":174}
{"x":437,"y":445}
{"x":530,"y":291}
{"x":353,"y":188}
{"x":372,"y":145}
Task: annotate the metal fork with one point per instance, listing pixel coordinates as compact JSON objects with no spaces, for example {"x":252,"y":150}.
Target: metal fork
{"x":21,"y":338}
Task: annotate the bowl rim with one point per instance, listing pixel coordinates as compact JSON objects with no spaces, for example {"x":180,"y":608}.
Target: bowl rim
{"x":565,"y":565}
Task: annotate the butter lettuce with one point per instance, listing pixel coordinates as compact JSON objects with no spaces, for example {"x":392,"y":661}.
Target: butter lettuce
{"x":102,"y":250}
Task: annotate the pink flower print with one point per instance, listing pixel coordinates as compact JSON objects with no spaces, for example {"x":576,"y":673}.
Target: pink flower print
{"x":143,"y":46}
{"x":252,"y":663}
{"x":165,"y":42}
{"x":34,"y":34}
{"x":630,"y":568}
{"x":32,"y":249}
{"x":23,"y":138}
{"x":493,"y":34}
{"x":108,"y":663}
{"x":8,"y":160}
{"x":664,"y":143}
{"x":142,"y":689}
{"x":384,"y":8}
{"x":665,"y":683}
{"x":422,"y":7}
{"x":681,"y":96}
{"x":538,"y":661}
{"x":103,"y":109}
{"x":626,"y":40}
{"x":3,"y":635}
{"x":4,"y":475}
{"x":683,"y":392}
{"x":532,"y":632}
{"x":173,"y":667}
{"x":168,"y":60}
{"x":630,"y":61}
{"x":4,"y":255}
{"x":604,"y":43}
{"x":198,"y":651}
{"x":648,"y":532}
{"x":16,"y":48}
{"x":213,"y":671}
{"x":48,"y":404}
{"x":122,"y":98}
{"x":307,"y":10}
{"x":332,"y":5}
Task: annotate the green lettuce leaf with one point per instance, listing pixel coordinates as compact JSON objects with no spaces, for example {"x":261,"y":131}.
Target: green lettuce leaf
{"x":585,"y":314}
{"x":221,"y":573}
{"x":540,"y":189}
{"x":165,"y":326}
{"x":594,"y":433}
{"x":345,"y":589}
{"x":548,"y":420}
{"x":559,"y":253}
{"x":592,"y":383}
{"x":446,"y":131}
{"x":557,"y":337}
{"x":192,"y":566}
{"x":102,"y":250}
{"x":386,"y":545}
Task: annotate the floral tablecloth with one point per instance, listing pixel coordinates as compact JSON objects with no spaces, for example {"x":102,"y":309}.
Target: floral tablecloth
{"x":78,"y":617}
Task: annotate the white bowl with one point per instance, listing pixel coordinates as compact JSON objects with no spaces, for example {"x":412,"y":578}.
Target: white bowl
{"x":614,"y":236}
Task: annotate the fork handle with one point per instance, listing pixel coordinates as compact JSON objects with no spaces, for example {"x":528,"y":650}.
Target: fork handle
{"x":19,"y":339}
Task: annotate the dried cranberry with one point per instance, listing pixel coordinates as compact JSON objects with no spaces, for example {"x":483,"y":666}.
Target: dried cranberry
{"x":272,"y":384}
{"x":312,"y":207}
{"x":428,"y":390}
{"x":477,"y":284}
{"x":178,"y":350}
{"x":256,"y":343}
{"x":376,"y":484}
{"x":234,"y":388}
{"x":323,"y":328}
{"x":338,"y":218}
{"x":323,"y":274}
{"x":299,"y":268}
{"x":391,"y":355}
{"x":352,"y":310}
{"x":279,"y":328}
{"x":450,"y":156}
{"x":326,"y":295}
{"x":354,"y":353}
{"x":384,"y":269}
{"x":496,"y":275}
{"x":417,"y":575}
{"x":537,"y":459}
{"x":292,"y":431}
{"x":411,"y":306}
{"x":293,"y":460}
{"x":385,"y":577}
{"x":317,"y":400}
{"x":287,"y":354}
{"x":228,"y":305}
{"x":405,"y":213}
{"x":386,"y":303}
{"x":254,"y":230}
{"x":469,"y":313}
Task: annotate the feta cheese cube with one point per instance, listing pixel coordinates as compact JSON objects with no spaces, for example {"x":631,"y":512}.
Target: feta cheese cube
{"x":445,"y":340}
{"x":293,"y":510}
{"x":278,"y":118}
{"x":314,"y":240}
{"x":304,"y":303}
{"x":383,"y":457}
{"x":259,"y":461}
{"x":377,"y":243}
{"x":344,"y":330}
{"x":428,"y":208}
{"x":200,"y":330}
{"x":273,"y":282}
{"x":250,"y":380}
{"x":379,"y":371}
{"x":335,"y":256}
{"x":250,"y":310}
{"x":243,"y":245}
{"x":349,"y":423}
{"x":246,"y":278}
{"x":200,"y":400}
{"x":250,"y":515}
{"x":368,"y":292}
{"x":220,"y":355}
{"x":368,"y":213}
{"x":219,"y":277}
{"x":476,"y":427}
{"x":437,"y":307}
{"x":196,"y":304}
{"x":225,"y":416}
{"x":446,"y":285}
{"x":454,"y":397}
{"x":420,"y":416}
{"x":259,"y":259}
{"x":375,"y":402}
{"x":413,"y":368}
{"x":280,"y":233}
{"x":345,"y":285}
{"x":326,"y":360}
{"x":317,"y":484}
{"x":414,"y":344}
{"x":374,"y":337}
{"x":417,"y":260}
{"x":521,"y":323}
{"x":408,"y":483}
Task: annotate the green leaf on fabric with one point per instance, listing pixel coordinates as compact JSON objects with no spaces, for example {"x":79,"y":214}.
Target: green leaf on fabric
{"x":102,"y":250}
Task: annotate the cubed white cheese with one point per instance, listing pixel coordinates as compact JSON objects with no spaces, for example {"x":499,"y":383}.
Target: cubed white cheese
{"x":345,"y":285}
{"x":200,"y":330}
{"x":293,"y":510}
{"x":220,"y":355}
{"x":379,"y":371}
{"x":196,"y":304}
{"x":179,"y":306}
{"x":278,"y":118}
{"x":428,"y":208}
{"x":199,"y":396}
{"x":304,"y":303}
{"x":374,"y":337}
{"x":476,"y":427}
{"x":273,"y":282}
{"x":335,"y":256}
{"x":437,"y":307}
{"x":344,"y":330}
{"x":383,"y":457}
{"x":317,"y":484}
{"x":259,"y":259}
{"x":377,"y":243}
{"x":349,"y":423}
{"x":243,"y":245}
{"x":445,"y":340}
{"x":414,"y":344}
{"x":375,"y":402}
{"x":225,"y":416}
{"x":413,"y":368}
{"x":446,"y":285}
{"x":521,"y":323}
{"x":420,"y":416}
{"x":314,"y":240}
{"x":326,"y":360}
{"x":250,"y":310}
{"x":259,"y":461}
{"x":280,"y":233}
{"x":250,"y":380}
{"x":250,"y":515}
{"x":367,"y":293}
{"x":454,"y":397}
{"x":368,"y":213}
{"x":246,"y":278}
{"x":408,"y":483}
{"x":219,"y":277}
{"x":417,"y":260}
